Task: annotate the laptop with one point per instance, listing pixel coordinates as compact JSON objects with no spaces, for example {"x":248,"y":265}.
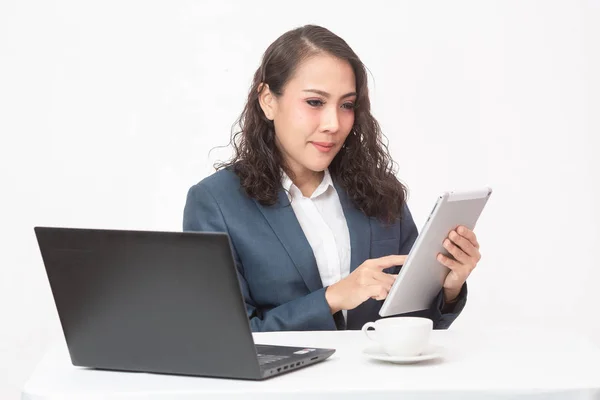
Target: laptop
{"x":159,"y":302}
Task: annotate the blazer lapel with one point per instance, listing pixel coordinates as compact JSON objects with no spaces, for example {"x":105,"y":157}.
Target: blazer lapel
{"x":283,"y":221}
{"x":359,"y":228}
{"x":360,"y":241}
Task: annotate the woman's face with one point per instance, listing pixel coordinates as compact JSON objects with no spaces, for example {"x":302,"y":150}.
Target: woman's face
{"x":314,"y":114}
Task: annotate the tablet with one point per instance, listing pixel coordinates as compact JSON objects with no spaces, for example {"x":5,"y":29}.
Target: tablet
{"x":422,"y":276}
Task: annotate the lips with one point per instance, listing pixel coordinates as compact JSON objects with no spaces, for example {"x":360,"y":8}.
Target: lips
{"x":323,"y":146}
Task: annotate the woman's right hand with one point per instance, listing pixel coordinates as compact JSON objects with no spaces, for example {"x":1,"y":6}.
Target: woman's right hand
{"x":365,"y":282}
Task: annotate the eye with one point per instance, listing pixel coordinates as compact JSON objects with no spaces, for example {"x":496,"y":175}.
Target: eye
{"x":349,"y":106}
{"x":314,"y":103}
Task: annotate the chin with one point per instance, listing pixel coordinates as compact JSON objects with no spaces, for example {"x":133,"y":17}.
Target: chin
{"x":318,"y":162}
{"x":318,"y":166}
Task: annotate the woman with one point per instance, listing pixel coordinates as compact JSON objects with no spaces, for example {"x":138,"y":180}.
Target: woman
{"x":317,"y":219}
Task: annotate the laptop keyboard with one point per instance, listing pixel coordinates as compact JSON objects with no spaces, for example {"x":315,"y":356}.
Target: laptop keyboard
{"x":268,"y":358}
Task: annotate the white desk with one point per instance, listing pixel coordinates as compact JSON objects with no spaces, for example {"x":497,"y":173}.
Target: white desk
{"x":513,"y":363}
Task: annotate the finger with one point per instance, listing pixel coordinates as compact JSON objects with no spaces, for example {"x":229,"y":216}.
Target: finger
{"x":385,"y":279}
{"x":376,"y":292}
{"x":450,"y":263}
{"x":468,"y":234}
{"x":465,"y":245}
{"x":457,"y":252}
{"x":377,"y":279}
{"x":388,"y":261}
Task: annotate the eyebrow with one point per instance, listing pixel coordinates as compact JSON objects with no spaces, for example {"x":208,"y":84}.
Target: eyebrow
{"x":327,"y":95}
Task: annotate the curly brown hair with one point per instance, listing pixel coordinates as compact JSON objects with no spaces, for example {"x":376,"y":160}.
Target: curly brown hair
{"x":363,"y":167}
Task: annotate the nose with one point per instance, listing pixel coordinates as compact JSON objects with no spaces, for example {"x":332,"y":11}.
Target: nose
{"x":330,"y":121}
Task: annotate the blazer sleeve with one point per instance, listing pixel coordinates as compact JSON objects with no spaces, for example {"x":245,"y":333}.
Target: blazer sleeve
{"x":442,"y":314}
{"x":311,"y":312}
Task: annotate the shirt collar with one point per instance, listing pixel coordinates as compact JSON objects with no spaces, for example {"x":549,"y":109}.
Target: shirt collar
{"x":326,"y":182}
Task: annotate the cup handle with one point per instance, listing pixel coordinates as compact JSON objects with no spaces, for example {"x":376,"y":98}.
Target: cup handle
{"x":368,"y":333}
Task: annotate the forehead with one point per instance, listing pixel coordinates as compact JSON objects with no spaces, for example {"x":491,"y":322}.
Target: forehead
{"x":324,"y":72}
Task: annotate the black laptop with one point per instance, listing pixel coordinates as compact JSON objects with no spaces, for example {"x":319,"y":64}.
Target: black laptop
{"x":162,"y":302}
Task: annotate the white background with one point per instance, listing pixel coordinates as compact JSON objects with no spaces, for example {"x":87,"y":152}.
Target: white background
{"x":108,"y":111}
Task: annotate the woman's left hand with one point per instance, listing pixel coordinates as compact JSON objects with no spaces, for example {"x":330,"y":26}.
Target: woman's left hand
{"x":463,"y":246}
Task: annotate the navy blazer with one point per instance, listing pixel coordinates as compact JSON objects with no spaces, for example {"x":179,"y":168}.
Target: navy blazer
{"x":276,"y":267}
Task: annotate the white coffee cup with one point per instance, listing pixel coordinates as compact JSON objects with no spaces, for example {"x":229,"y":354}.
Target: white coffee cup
{"x":401,"y":336}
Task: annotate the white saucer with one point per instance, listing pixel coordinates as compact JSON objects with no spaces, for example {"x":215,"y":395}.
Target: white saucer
{"x":376,"y":352}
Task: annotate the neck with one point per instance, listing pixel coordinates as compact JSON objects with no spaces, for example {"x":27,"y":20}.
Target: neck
{"x":306,"y":180}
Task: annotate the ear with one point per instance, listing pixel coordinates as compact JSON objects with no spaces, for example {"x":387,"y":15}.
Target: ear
{"x":267,"y":101}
